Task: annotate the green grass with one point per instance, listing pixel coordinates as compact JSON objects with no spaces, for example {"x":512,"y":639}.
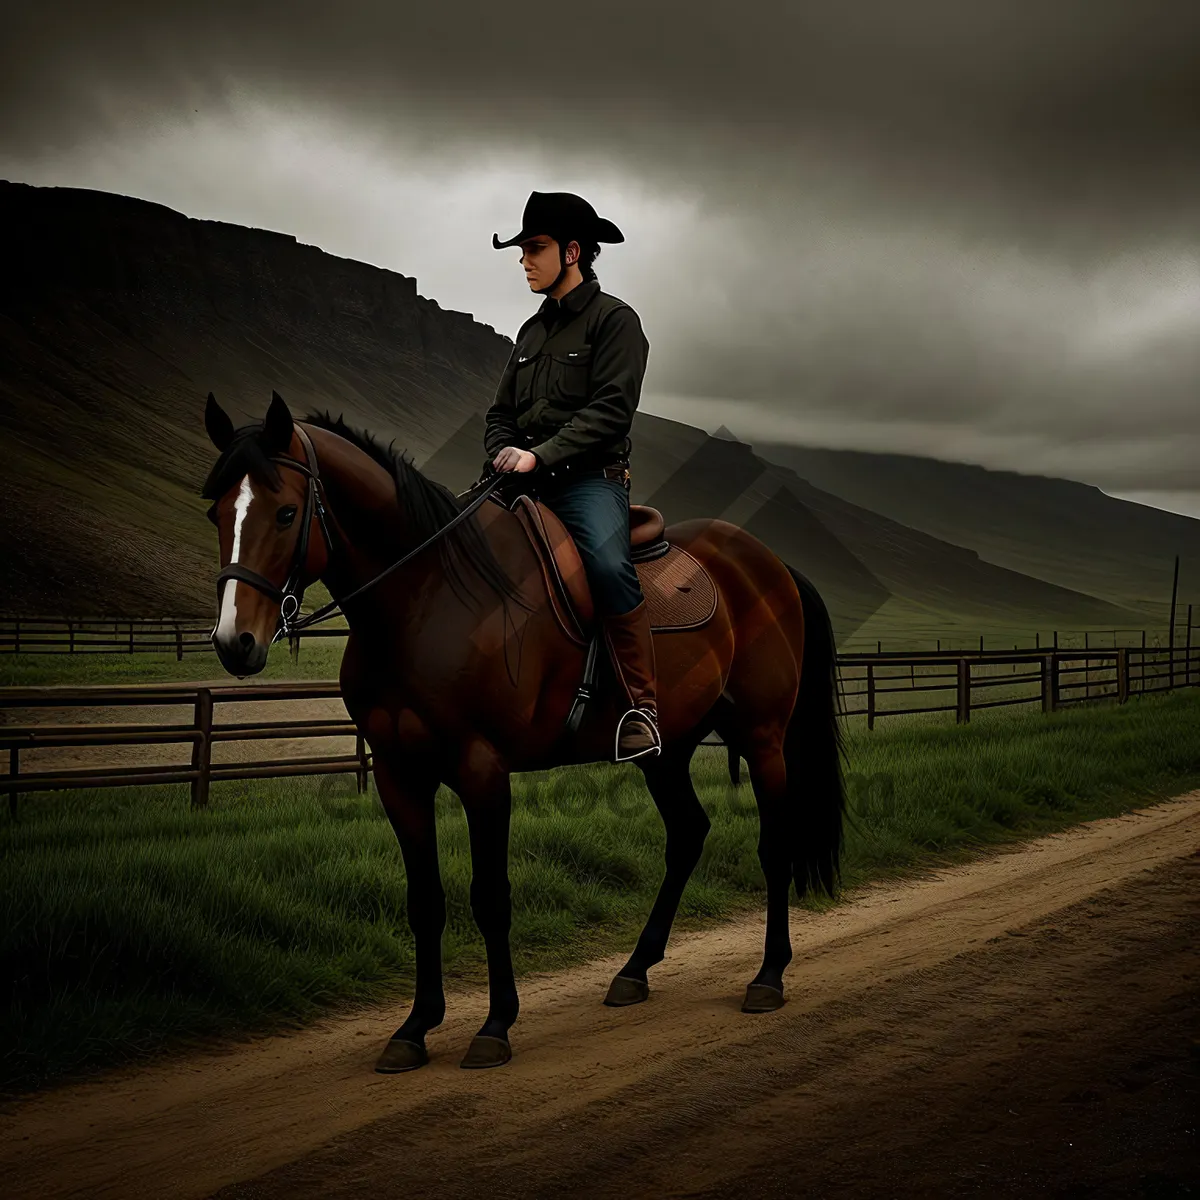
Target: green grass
{"x":319,"y":659}
{"x":132,"y":923}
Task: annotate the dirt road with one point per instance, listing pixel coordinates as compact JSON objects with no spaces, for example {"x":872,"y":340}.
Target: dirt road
{"x":1025,"y":1025}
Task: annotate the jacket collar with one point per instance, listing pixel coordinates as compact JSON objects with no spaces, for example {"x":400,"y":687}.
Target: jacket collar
{"x":574,"y":301}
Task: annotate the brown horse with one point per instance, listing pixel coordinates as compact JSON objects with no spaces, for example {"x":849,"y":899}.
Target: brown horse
{"x":457,"y":672}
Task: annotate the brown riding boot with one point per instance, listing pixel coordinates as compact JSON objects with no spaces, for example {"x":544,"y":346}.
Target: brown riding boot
{"x":631,"y":648}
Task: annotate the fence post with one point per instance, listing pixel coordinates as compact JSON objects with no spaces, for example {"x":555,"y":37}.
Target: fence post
{"x":71,"y":635}
{"x":1050,"y":683}
{"x":14,"y":769}
{"x":294,"y":646}
{"x":964,"y":691}
{"x":17,"y":636}
{"x":202,"y":747}
{"x":178,"y":643}
{"x":1122,"y":675}
{"x":1187,"y":651}
{"x":130,"y":637}
{"x":870,"y":695}
{"x":360,"y":748}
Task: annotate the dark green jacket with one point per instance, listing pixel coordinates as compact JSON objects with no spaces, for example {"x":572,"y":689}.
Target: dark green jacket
{"x":572,"y":382}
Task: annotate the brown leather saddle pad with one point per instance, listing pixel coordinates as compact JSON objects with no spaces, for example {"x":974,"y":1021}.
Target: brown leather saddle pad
{"x":680,"y":593}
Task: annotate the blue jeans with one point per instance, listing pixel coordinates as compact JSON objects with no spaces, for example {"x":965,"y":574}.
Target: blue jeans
{"x":595,"y":511}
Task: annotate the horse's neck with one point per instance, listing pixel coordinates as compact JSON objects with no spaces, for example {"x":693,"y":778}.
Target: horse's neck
{"x":375,"y":533}
{"x":361,"y":495}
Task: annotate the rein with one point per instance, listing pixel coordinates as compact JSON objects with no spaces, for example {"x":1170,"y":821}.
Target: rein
{"x":292,"y":593}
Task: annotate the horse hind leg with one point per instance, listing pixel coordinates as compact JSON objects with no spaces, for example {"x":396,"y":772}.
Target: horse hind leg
{"x":776,"y":839}
{"x":687,"y":825}
{"x":796,"y":774}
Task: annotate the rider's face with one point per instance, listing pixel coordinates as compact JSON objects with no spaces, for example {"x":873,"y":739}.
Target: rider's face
{"x":540,"y":260}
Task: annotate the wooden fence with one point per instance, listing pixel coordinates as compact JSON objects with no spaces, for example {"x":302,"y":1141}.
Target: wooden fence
{"x":190,"y":635}
{"x":872,"y":686}
{"x":145,"y":635}
{"x":201,"y":732}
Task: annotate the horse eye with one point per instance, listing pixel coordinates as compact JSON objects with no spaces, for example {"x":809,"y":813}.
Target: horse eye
{"x":286,"y":515}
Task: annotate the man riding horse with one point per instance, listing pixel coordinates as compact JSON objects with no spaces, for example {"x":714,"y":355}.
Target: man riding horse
{"x":564,"y":408}
{"x":427,"y":675}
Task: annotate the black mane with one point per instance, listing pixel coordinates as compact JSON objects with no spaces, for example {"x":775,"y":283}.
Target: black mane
{"x":428,"y":507}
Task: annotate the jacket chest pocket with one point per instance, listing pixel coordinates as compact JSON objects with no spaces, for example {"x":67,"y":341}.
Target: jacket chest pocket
{"x":567,"y":376}
{"x":525,"y":383}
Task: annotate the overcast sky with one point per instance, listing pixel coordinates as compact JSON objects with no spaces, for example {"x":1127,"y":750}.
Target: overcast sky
{"x":964,"y":228}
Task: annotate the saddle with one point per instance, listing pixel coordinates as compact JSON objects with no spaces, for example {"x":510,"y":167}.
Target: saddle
{"x":680,"y":593}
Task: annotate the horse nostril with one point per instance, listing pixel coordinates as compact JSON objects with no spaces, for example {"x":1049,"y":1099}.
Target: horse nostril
{"x":247,"y":642}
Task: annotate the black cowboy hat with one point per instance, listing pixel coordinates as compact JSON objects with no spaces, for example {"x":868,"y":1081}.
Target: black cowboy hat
{"x":560,"y":213}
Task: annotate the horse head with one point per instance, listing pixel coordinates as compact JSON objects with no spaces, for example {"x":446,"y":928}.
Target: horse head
{"x":264,"y":517}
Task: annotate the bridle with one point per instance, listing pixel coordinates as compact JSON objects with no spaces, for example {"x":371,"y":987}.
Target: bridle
{"x":291,"y":594}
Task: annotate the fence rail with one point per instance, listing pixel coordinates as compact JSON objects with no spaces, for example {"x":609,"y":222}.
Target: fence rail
{"x":147,"y":635}
{"x":202,"y":731}
{"x":190,"y":635}
{"x":1054,"y":680}
{"x":871,"y":686}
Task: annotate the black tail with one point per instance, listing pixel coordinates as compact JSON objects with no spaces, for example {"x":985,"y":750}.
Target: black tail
{"x":813,"y":750}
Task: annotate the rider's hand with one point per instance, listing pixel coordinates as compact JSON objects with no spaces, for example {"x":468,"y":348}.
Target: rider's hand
{"x":512,"y":458}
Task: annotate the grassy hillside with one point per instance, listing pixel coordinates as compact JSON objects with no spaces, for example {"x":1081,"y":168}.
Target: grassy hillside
{"x":117,"y":317}
{"x":1069,"y":533}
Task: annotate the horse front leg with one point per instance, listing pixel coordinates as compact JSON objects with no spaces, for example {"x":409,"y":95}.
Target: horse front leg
{"x":670,"y":782}
{"x":486,"y":793}
{"x":407,"y":795}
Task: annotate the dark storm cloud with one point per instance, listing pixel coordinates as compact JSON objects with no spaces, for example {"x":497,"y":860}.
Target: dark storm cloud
{"x":994,"y":107}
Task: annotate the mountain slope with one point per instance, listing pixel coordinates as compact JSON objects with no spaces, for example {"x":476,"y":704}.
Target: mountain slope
{"x":933,"y":583}
{"x":1065,"y":532}
{"x":117,"y":317}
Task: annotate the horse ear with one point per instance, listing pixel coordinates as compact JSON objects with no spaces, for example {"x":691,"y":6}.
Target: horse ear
{"x":277,"y":427}
{"x":218,"y":424}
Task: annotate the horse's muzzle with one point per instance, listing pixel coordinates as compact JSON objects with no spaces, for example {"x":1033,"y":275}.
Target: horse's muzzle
{"x":242,"y":654}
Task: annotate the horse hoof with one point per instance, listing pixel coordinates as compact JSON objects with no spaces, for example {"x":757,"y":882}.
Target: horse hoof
{"x":400,"y":1055}
{"x":761,"y":997}
{"x":487,"y":1051}
{"x":623,"y":991}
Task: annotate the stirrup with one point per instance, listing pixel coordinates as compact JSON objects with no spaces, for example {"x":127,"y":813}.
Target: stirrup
{"x":651,"y":718}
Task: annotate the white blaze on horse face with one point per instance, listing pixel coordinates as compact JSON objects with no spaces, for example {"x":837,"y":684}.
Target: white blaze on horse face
{"x":227,"y":625}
